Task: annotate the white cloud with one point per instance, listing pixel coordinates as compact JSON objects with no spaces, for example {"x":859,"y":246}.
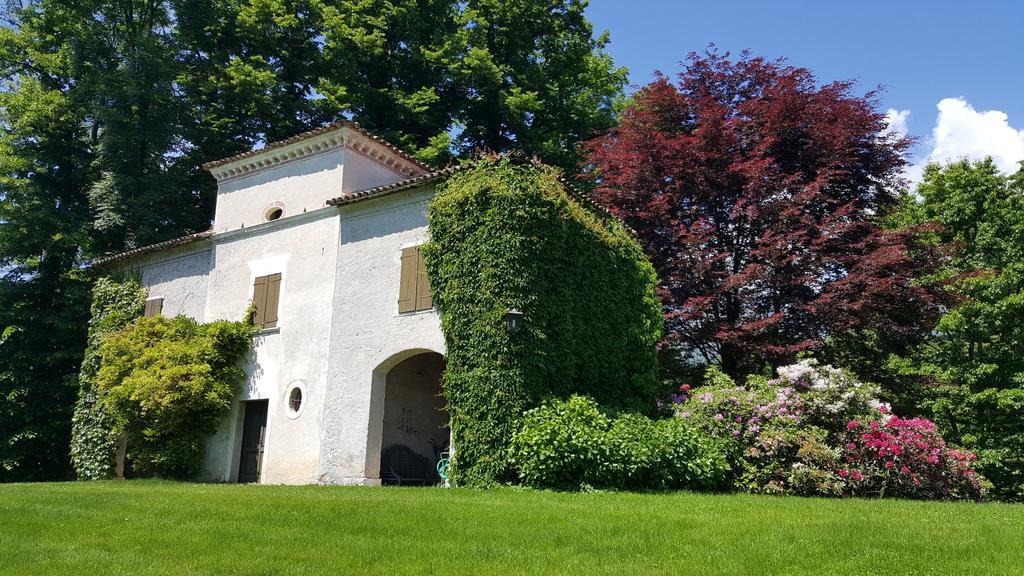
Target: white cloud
{"x":961,"y":131}
{"x":896,"y":121}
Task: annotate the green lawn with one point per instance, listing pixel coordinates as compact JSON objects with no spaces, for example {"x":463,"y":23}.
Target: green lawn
{"x":167,"y":528}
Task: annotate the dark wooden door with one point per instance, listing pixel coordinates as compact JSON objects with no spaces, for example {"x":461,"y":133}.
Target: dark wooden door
{"x":254,"y":436}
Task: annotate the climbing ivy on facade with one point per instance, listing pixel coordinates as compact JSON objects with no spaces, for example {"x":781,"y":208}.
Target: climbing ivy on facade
{"x":162,"y":385}
{"x":509,"y":235}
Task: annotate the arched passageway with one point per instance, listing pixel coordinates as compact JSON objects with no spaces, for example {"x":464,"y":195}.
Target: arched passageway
{"x":415,"y":430}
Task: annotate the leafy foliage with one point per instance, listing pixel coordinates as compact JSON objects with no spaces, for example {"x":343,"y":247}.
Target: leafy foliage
{"x":44,"y":175}
{"x":115,"y":305}
{"x":109,"y":109}
{"x":167,"y":383}
{"x":533,"y":78}
{"x":438,"y":77}
{"x":572,"y":444}
{"x":507,"y":235}
{"x":754,"y":192}
{"x":970,"y":375}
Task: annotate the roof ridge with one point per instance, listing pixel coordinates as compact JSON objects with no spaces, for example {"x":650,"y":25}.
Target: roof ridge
{"x":316,"y":132}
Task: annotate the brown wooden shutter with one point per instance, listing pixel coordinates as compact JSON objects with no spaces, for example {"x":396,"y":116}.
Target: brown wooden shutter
{"x":154,"y":307}
{"x":407,"y":285}
{"x":259,"y":300}
{"x":423,"y":298}
{"x":273,"y":296}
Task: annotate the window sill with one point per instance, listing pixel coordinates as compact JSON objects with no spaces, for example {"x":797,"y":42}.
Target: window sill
{"x":417,"y":312}
{"x":266,"y":331}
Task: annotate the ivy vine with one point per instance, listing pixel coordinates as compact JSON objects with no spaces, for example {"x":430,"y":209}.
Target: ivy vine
{"x":162,"y":384}
{"x":506,"y":234}
{"x":115,"y":304}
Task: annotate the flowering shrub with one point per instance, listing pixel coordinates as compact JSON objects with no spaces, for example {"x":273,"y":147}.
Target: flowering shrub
{"x":790,"y":460}
{"x":792,"y":435}
{"x":906,"y":458}
{"x":827,"y":395}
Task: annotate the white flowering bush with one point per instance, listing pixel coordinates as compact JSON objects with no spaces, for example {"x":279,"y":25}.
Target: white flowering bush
{"x":828,"y":397}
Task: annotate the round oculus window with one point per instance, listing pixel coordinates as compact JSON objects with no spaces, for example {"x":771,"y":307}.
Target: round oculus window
{"x":274,"y":213}
{"x":295,"y":400}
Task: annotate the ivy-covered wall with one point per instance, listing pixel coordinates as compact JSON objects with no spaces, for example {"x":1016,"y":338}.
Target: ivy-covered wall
{"x":506,"y":234}
{"x":115,"y":304}
{"x":161,"y":384}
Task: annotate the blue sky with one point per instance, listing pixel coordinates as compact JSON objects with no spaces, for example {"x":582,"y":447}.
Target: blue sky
{"x":968,"y":55}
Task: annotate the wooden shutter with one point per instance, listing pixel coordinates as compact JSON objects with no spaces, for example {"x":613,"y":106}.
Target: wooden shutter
{"x":407,"y":285}
{"x":259,"y":300}
{"x":265,"y":295}
{"x":423,"y":299}
{"x":154,"y":307}
{"x":273,"y":296}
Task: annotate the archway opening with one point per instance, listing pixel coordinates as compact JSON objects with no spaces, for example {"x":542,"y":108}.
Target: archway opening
{"x":415,"y":434}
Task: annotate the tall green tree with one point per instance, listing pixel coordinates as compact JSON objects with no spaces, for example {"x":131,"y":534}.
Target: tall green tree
{"x":125,"y":70}
{"x":109,"y":108}
{"x":534,"y":78}
{"x":388,"y":64}
{"x":972,"y":367}
{"x":45,"y":171}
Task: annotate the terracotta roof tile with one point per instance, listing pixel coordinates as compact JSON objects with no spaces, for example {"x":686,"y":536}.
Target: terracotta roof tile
{"x":395,"y":187}
{"x":152,"y":248}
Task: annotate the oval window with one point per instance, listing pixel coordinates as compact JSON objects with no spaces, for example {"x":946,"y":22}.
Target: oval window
{"x":295,"y":400}
{"x":274,"y":214}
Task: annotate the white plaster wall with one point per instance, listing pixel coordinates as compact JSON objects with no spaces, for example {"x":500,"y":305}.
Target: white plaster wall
{"x":180,"y":278}
{"x":368,"y":335}
{"x":362,"y":173}
{"x":304,"y":251}
{"x":303,"y":185}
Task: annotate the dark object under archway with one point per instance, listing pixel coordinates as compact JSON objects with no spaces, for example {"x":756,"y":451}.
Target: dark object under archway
{"x":415,"y":429}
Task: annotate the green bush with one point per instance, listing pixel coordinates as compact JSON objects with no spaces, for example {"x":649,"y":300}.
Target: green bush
{"x":504,"y":234}
{"x":569,"y":444}
{"x":167,"y":383}
{"x":562,"y":444}
{"x":989,"y":422}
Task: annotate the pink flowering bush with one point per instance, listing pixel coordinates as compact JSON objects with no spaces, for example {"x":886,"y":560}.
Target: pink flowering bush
{"x":799,"y":434}
{"x":906,"y":458}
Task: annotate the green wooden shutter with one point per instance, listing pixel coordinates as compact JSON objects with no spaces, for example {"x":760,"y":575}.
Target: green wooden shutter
{"x":259,"y":300}
{"x":423,"y":298}
{"x":407,"y":282}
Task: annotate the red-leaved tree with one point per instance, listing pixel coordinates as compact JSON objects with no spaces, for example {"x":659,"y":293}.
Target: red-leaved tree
{"x":755,"y":193}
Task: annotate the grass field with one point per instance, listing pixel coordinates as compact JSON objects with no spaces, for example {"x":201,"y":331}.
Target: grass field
{"x":141,"y":527}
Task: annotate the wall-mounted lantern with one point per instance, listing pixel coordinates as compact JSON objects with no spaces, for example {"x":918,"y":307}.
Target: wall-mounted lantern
{"x":514,"y":320}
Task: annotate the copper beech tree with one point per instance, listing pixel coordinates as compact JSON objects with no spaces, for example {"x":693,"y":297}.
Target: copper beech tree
{"x":755,"y":193}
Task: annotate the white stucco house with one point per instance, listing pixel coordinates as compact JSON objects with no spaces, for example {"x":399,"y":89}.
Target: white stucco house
{"x":321,"y":232}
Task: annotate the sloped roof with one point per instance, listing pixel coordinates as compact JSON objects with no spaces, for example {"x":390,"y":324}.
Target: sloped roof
{"x":180,"y":241}
{"x":394,"y":187}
